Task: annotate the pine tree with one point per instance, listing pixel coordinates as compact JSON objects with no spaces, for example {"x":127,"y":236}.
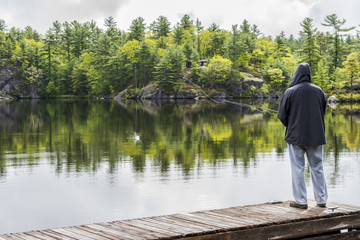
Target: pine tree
{"x":2,"y":25}
{"x":160,"y":27}
{"x":137,"y":29}
{"x":245,"y":26}
{"x":336,"y":23}
{"x":310,"y":50}
{"x":178,"y":34}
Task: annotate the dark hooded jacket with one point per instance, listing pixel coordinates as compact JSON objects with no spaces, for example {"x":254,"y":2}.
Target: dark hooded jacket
{"x":302,"y":110}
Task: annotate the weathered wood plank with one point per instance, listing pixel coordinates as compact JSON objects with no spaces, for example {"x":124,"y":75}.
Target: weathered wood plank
{"x":289,"y":230}
{"x":261,"y":221}
{"x":85,"y":233}
{"x":199,"y":220}
{"x":140,"y":231}
{"x":176,"y":227}
{"x":39,"y":235}
{"x":68,"y":234}
{"x":185,"y":224}
{"x":105,"y":234}
{"x":151,"y":226}
{"x":339,"y":236}
{"x":57,"y":233}
{"x":12,"y":237}
{"x":118,"y":233}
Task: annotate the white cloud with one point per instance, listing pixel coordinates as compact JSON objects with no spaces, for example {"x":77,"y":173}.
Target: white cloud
{"x":271,"y":17}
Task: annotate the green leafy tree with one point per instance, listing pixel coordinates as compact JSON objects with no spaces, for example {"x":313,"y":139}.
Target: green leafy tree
{"x":276,"y":78}
{"x":352,"y":67}
{"x":218,"y":70}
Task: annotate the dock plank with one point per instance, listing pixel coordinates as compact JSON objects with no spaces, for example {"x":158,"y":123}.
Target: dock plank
{"x":138,"y":230}
{"x":105,"y":234}
{"x":56,"y":235}
{"x":40,"y":235}
{"x":85,"y":234}
{"x":152,"y":226}
{"x":260,"y":221}
{"x":121,"y":234}
{"x":181,"y":224}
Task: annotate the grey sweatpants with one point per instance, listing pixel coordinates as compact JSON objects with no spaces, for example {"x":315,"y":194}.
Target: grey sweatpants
{"x":314,"y":155}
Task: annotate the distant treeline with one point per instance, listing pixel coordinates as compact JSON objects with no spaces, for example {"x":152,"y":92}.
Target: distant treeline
{"x":82,"y":59}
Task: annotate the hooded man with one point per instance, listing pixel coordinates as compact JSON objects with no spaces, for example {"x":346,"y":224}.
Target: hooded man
{"x":301,"y":111}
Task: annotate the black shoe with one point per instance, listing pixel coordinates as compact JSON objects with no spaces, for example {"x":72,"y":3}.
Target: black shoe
{"x":296,"y":205}
{"x":322,"y":205}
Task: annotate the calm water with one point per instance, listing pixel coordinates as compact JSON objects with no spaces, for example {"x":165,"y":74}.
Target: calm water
{"x":70,"y":162}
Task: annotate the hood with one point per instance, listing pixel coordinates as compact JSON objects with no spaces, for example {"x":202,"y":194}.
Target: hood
{"x":302,"y":74}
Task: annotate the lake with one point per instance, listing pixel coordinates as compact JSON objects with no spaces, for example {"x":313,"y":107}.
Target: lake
{"x":72,"y":162}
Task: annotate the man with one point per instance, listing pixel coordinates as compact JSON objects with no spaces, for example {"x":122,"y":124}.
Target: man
{"x":302,"y":110}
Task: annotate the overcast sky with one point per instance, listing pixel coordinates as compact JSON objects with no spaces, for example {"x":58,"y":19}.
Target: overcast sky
{"x":271,"y":16}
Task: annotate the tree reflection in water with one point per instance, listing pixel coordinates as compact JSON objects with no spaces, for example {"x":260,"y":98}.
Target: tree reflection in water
{"x":81,"y":135}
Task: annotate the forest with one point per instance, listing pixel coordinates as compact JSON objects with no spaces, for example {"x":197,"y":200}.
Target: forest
{"x":83,"y":59}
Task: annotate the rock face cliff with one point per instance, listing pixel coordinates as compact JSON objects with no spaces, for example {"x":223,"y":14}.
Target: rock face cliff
{"x":189,"y":90}
{"x":12,"y":84}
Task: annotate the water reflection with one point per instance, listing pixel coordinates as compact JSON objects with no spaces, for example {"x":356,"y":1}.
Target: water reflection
{"x":80,"y":135}
{"x":71,"y":162}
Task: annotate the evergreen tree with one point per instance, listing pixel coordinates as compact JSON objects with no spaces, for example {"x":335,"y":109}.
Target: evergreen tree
{"x":67,"y":39}
{"x":111,"y":29}
{"x":217,"y":44}
{"x":255,"y":30}
{"x":160,"y":27}
{"x":280,"y":46}
{"x":186,"y":23}
{"x":80,"y":37}
{"x":178,"y":34}
{"x":336,"y":23}
{"x":236,"y":45}
{"x":137,"y":29}
{"x":214,"y":27}
{"x":49,"y":49}
{"x":168,"y":70}
{"x":2,"y":25}
{"x":321,"y":76}
{"x":245,"y":26}
{"x":310,"y":50}
{"x":199,"y":28}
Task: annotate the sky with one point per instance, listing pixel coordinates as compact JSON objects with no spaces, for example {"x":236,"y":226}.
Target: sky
{"x":271,"y":16}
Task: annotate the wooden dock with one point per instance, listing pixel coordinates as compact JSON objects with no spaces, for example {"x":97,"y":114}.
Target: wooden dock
{"x":261,"y":221}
